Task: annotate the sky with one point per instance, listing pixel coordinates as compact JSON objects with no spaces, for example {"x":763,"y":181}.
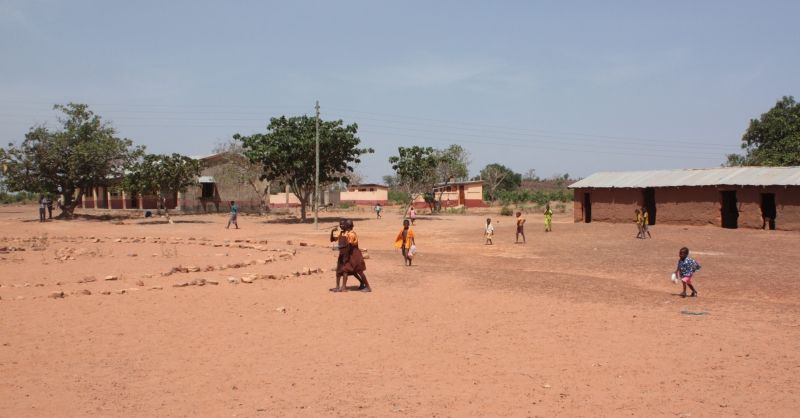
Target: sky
{"x":556,"y":86}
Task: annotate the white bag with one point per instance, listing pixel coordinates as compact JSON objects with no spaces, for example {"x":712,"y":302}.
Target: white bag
{"x":674,"y":278}
{"x":412,"y":251}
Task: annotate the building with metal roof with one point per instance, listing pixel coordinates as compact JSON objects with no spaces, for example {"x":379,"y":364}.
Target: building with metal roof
{"x":730,"y":197}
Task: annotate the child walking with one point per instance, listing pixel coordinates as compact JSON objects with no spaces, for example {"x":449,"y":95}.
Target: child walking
{"x":645,"y":223}
{"x":489,"y":233}
{"x":638,"y":219}
{"x":687,"y":266}
{"x":404,"y":241}
{"x":548,"y":218}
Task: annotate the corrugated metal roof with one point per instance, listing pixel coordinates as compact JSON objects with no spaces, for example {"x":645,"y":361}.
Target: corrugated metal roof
{"x":723,"y":176}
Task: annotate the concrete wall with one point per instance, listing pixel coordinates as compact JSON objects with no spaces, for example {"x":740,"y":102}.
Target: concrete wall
{"x":371,"y":196}
{"x":692,"y":205}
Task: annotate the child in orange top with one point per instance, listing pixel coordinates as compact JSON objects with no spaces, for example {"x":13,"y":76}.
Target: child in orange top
{"x":404,"y":241}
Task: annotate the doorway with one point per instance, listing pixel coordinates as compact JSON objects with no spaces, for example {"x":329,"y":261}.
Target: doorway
{"x":768,"y":210}
{"x":649,"y":198}
{"x":587,"y":208}
{"x":730,"y":210}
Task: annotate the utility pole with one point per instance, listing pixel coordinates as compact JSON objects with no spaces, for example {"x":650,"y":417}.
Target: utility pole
{"x":316,"y":179}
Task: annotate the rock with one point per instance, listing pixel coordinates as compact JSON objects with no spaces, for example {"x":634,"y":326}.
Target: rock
{"x":57,"y":295}
{"x":209,"y":268}
{"x":233,"y":280}
{"x":183,"y":284}
{"x":306,"y":271}
{"x":105,"y":292}
{"x":247,"y":279}
{"x":303,"y":244}
{"x":281,"y":309}
{"x":96,"y":240}
{"x":139,"y":283}
{"x":133,"y":255}
{"x":212,"y":282}
{"x":154,"y":255}
{"x":118,"y":240}
{"x":87,"y":279}
{"x":86,"y":292}
{"x":111,"y":277}
{"x":121,"y":291}
{"x":155,"y":288}
{"x":192,"y":269}
{"x":289,"y":242}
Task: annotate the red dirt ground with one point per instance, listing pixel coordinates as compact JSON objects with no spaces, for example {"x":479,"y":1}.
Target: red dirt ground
{"x":582,"y":321}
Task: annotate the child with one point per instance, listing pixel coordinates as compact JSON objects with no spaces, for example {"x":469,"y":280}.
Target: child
{"x":404,"y":241}
{"x":412,"y":214}
{"x":548,"y":218}
{"x":685,"y":270}
{"x":520,"y":227}
{"x":489,"y":231}
{"x":234,"y":215}
{"x":354,"y":263}
{"x":339,"y":237}
{"x":638,"y":219}
{"x":645,"y":223}
{"x":378,"y":210}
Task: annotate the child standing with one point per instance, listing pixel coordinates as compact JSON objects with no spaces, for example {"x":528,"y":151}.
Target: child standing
{"x":489,"y":233}
{"x":687,"y":266}
{"x":234,"y":215}
{"x":412,"y":214}
{"x":378,"y":210}
{"x":548,"y":218}
{"x":520,"y":227}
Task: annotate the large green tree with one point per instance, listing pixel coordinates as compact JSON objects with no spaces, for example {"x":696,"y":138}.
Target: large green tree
{"x":773,"y":139}
{"x":497,"y":177}
{"x":83,"y":153}
{"x":415,"y":170}
{"x":162,"y":175}
{"x":287,"y":153}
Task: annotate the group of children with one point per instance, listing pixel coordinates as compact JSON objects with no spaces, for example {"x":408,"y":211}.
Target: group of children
{"x":488,"y":233}
{"x":351,"y":260}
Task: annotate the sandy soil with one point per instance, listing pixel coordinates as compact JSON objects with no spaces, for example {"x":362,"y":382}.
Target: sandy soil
{"x":582,"y":321}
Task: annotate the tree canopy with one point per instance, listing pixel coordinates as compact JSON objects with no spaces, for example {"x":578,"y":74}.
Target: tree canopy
{"x":773,"y":139}
{"x":415,"y":170}
{"x":82,"y":154}
{"x":496,"y":178}
{"x":162,"y":175}
{"x":287,"y":153}
{"x":239,"y":169}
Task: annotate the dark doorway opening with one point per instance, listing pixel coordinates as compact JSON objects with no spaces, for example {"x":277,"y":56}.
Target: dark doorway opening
{"x":768,"y":210}
{"x":649,"y":198}
{"x":587,"y":208}
{"x":730,"y":210}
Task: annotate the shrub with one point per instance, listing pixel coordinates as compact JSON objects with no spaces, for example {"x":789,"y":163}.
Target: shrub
{"x":506,"y":211}
{"x":345,"y":205}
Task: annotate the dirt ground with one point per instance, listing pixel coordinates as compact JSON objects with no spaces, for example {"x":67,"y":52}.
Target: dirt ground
{"x":582,"y":321}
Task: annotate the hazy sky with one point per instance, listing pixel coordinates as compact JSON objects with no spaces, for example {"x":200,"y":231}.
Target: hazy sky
{"x":557,"y":86}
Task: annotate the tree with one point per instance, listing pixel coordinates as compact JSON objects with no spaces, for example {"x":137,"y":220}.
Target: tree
{"x":530,"y":175}
{"x":239,"y":169}
{"x":287,"y":152}
{"x":82,"y":154}
{"x":415,"y":169}
{"x":452,"y":166}
{"x":497,"y":177}
{"x":774,"y":139}
{"x":162,"y":175}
